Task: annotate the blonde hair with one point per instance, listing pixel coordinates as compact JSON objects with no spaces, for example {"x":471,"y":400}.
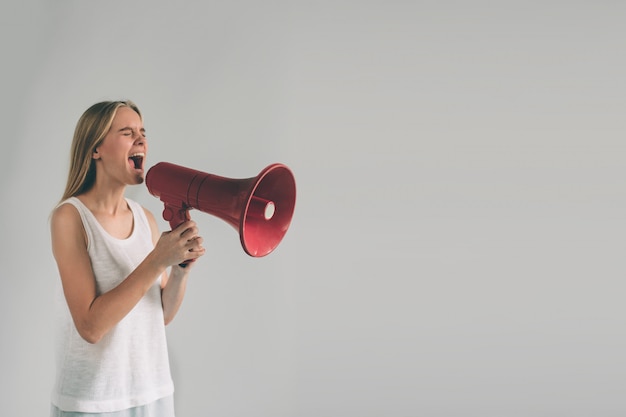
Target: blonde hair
{"x":90,"y":131}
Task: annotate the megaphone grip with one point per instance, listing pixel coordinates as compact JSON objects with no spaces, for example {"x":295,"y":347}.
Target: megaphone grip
{"x":177,"y":216}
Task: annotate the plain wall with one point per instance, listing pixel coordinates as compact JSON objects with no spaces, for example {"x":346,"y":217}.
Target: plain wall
{"x":458,"y":243}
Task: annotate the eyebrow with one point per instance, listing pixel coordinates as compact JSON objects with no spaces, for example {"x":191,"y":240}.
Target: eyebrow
{"x":142,"y":130}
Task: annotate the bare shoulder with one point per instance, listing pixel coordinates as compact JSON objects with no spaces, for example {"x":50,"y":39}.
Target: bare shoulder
{"x":66,"y":225}
{"x":154,"y":227}
{"x":151,"y":219}
{"x":149,"y":215}
{"x":65,"y":215}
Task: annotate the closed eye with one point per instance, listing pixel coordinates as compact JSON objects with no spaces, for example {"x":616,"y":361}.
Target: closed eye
{"x":128,"y":131}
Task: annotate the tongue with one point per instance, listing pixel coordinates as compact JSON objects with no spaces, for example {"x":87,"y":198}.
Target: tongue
{"x":135,"y":162}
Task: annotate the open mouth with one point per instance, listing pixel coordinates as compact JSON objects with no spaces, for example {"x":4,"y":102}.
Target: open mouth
{"x":136,"y":160}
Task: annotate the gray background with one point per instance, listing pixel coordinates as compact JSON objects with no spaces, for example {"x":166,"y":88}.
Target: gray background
{"x":457,"y":246}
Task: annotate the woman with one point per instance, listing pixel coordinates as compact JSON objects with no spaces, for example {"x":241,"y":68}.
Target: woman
{"x":117,"y":294}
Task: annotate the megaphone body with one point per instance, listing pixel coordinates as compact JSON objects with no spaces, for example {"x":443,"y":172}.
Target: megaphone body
{"x":260,"y":208}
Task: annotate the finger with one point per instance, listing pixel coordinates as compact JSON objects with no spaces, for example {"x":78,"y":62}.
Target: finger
{"x":195,"y":244}
{"x":197,"y":240}
{"x":190,"y":233}
{"x":197,"y":253}
{"x":182,"y":228}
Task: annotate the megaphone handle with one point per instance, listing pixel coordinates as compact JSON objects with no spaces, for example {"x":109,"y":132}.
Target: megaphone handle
{"x":176,"y":216}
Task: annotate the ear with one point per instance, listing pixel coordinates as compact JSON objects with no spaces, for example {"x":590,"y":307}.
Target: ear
{"x":95,"y":154}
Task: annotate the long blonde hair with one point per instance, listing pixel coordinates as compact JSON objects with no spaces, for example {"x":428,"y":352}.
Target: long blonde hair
{"x":90,"y":131}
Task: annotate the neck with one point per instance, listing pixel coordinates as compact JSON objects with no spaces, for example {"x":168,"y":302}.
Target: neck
{"x":104,"y":200}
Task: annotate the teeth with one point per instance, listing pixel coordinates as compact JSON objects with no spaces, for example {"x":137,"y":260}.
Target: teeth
{"x":137,"y":159}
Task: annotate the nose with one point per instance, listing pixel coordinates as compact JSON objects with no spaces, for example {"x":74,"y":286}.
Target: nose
{"x":140,"y":144}
{"x":140,"y":140}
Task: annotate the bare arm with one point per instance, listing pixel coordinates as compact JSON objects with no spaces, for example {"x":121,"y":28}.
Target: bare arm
{"x":94,"y":315}
{"x":173,"y":292}
{"x":173,"y":286}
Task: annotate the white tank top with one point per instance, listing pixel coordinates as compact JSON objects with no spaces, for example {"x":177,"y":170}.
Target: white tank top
{"x":129,"y":366}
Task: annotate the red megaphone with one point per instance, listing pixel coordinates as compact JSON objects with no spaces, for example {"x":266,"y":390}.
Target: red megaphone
{"x":259,"y":208}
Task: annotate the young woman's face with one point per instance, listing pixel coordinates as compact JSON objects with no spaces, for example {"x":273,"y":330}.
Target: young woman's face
{"x":122,"y":153}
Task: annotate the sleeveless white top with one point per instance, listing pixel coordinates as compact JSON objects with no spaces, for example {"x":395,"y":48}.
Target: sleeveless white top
{"x":129,"y":366}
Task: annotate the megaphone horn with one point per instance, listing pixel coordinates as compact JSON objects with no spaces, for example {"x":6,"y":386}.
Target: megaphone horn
{"x":259,"y":208}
